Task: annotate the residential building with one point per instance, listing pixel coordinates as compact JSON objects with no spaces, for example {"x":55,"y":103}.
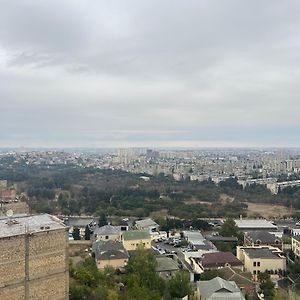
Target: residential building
{"x":242,"y":279}
{"x":166,"y":266}
{"x":34,"y":261}
{"x":260,"y":259}
{"x":262,"y":238}
{"x":132,"y":239}
{"x":197,"y":241}
{"x":218,"y":288}
{"x":216,"y":260}
{"x":295,"y":231}
{"x":255,"y":224}
{"x":147,"y":224}
{"x":296,"y":246}
{"x":110,"y":253}
{"x":80,"y":223}
{"x":107,"y":233}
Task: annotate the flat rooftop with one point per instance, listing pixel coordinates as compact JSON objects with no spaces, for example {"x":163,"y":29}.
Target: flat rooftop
{"x":254,"y":223}
{"x":18,"y":225}
{"x":260,"y":253}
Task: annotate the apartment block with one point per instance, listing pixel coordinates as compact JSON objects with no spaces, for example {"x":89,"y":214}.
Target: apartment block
{"x":33,"y":258}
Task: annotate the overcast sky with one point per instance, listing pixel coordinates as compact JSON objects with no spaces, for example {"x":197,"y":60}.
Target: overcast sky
{"x":149,"y":73}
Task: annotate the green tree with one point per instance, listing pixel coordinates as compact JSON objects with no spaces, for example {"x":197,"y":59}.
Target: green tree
{"x":87,"y":233}
{"x":179,"y":285}
{"x":142,"y":280}
{"x":266,"y":285}
{"x":229,"y":228}
{"x":102,"y":220}
{"x":76,"y":233}
{"x":209,"y":274}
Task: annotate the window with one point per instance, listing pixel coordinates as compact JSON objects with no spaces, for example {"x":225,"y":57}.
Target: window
{"x":106,"y":237}
{"x":254,"y":272}
{"x":258,"y":272}
{"x":254,"y":264}
{"x":258,"y":263}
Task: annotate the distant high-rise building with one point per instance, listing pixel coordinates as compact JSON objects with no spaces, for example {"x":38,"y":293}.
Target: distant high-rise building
{"x":33,"y":258}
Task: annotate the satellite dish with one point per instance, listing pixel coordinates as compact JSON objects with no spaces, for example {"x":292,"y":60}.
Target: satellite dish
{"x":9,"y":213}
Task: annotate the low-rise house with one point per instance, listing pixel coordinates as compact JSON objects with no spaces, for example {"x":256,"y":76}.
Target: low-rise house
{"x":133,"y":239}
{"x":148,"y":224}
{"x":218,"y":288}
{"x":262,"y":238}
{"x":110,"y":253}
{"x":197,"y":241}
{"x":261,"y":259}
{"x":107,"y":233}
{"x":295,"y":231}
{"x":216,"y":260}
{"x":242,"y":279}
{"x":193,"y":257}
{"x":80,"y":223}
{"x":255,"y":224}
{"x":166,"y":266}
{"x":296,"y":246}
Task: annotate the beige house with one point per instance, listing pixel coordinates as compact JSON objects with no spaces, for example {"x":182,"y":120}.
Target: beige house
{"x":148,"y":224}
{"x":132,"y":239}
{"x":110,"y":253}
{"x":296,"y":245}
{"x":260,"y":259}
{"x":107,"y":233}
{"x":262,"y":238}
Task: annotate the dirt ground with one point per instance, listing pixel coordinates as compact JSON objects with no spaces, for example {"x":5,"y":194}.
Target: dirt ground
{"x":268,"y":210}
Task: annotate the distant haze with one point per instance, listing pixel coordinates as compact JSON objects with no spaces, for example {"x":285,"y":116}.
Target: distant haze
{"x":157,"y":73}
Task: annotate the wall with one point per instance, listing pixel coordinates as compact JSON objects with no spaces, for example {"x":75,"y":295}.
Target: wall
{"x":133,"y":244}
{"x":112,"y":237}
{"x":40,"y":257}
{"x":296,"y":247}
{"x":115,"y":263}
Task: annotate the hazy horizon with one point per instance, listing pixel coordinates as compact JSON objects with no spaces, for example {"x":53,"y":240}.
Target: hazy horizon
{"x":154,"y":74}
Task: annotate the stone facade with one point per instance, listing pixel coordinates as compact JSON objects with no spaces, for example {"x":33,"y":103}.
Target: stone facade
{"x":35,"y":265}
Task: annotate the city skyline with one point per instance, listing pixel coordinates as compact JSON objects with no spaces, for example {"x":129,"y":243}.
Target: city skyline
{"x":149,"y":74}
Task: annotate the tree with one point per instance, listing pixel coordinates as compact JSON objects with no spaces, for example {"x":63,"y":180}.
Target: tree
{"x":102,"y":220}
{"x":179,"y":285}
{"x":209,"y":274}
{"x":266,"y":285}
{"x":76,"y":233}
{"x":142,"y":280}
{"x":229,"y":228}
{"x":87,"y":233}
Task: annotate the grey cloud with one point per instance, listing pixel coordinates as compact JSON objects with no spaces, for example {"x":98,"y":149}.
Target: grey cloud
{"x":141,"y":71}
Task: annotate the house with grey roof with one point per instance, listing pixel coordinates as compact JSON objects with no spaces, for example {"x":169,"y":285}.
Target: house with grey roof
{"x":148,"y":224}
{"x":110,"y":253}
{"x":217,"y":289}
{"x":260,"y":259}
{"x":197,"y":241}
{"x":80,"y":223}
{"x":107,"y":233}
{"x":166,"y":266}
{"x":262,"y":238}
{"x":255,"y":224}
